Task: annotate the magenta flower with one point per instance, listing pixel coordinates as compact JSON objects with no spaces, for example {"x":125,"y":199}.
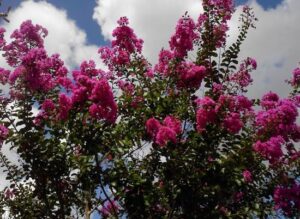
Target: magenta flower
{"x":164,"y":135}
{"x":247,"y":176}
{"x":233,"y":123}
{"x":182,"y":41}
{"x":152,"y":126}
{"x":270,"y":149}
{"x":3,"y":133}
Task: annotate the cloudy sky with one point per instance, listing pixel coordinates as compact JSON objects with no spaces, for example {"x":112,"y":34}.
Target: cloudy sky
{"x":78,"y":27}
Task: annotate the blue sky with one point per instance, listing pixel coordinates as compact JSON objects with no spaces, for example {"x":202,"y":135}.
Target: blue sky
{"x":81,"y":12}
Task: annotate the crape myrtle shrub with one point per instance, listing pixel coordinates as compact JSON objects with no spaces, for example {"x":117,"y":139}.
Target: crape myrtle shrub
{"x":141,"y":141}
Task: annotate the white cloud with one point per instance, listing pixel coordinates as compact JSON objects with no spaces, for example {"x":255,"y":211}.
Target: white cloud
{"x":274,"y":43}
{"x":64,"y":36}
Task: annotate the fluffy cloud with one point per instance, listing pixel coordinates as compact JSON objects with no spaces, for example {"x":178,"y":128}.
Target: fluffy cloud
{"x":64,"y":36}
{"x":273,"y":43}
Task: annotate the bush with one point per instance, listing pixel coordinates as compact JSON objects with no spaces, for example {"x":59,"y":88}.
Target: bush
{"x":141,"y":141}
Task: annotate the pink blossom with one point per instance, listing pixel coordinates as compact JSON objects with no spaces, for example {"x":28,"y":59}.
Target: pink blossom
{"x":125,"y":38}
{"x":242,"y":77}
{"x":217,"y":88}
{"x":251,"y":62}
{"x":173,"y":123}
{"x":126,"y":86}
{"x":287,"y":198}
{"x":238,"y":196}
{"x":152,"y":126}
{"x":16,"y":74}
{"x":270,"y":149}
{"x":29,"y":36}
{"x":206,"y":102}
{"x":204,"y":117}
{"x":105,"y":55}
{"x":65,"y":105}
{"x":269,"y":100}
{"x":206,"y":113}
{"x":92,"y":85}
{"x":243,"y":103}
{"x":247,"y":176}
{"x":182,"y":41}
{"x":149,"y":73}
{"x":48,"y":105}
{"x":191,"y":75}
{"x":296,"y":77}
{"x":201,"y":20}
{"x":233,"y":123}
{"x":4,"y":75}
{"x":279,"y":120}
{"x":164,"y":135}
{"x":120,"y":57}
{"x":224,"y":8}
{"x":219,"y":32}
{"x":3,"y":133}
{"x":80,"y":94}
{"x":65,"y":82}
{"x":9,"y":193}
{"x":165,"y":58}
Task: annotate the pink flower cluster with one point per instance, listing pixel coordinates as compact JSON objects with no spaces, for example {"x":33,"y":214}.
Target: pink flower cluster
{"x":206,"y":114}
{"x":91,"y":85}
{"x":232,"y":122}
{"x":287,"y":198}
{"x":242,"y":77}
{"x":39,"y":71}
{"x":190,"y":75}
{"x":223,"y":8}
{"x":228,"y":107}
{"x":126,"y":86}
{"x":65,"y":105}
{"x":247,"y":175}
{"x":270,"y":149}
{"x":47,"y":108}
{"x":296,"y":77}
{"x":220,"y":11}
{"x":278,"y":117}
{"x":276,"y":124}
{"x":164,"y":62}
{"x":163,"y":133}
{"x":4,"y":75}
{"x":219,"y":32}
{"x":3,"y":133}
{"x":90,"y":89}
{"x":33,"y":67}
{"x":185,"y":35}
{"x":124,"y":44}
{"x":24,"y":39}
